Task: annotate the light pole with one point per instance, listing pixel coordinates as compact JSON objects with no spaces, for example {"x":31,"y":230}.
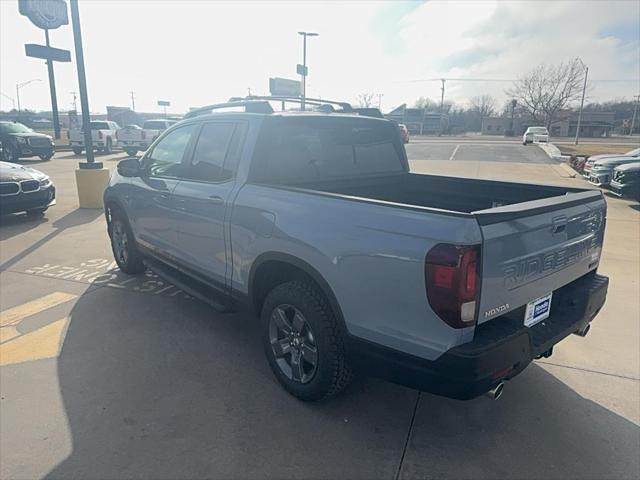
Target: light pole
{"x":584,"y":89}
{"x":303,"y":70}
{"x":23,"y":84}
{"x":635,"y":112}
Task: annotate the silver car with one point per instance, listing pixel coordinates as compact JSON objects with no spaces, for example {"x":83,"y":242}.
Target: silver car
{"x":602,"y":170}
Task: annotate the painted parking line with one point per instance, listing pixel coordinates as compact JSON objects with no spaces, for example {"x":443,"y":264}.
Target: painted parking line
{"x":43,"y":342}
{"x":453,"y":154}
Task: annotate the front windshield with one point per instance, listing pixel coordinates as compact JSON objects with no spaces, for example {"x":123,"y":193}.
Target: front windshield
{"x":15,"y":128}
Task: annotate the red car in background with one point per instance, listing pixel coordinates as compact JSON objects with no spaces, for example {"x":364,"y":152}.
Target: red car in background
{"x":404,"y":132}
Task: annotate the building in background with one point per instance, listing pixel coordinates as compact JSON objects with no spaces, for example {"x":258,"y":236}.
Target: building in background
{"x":593,"y":124}
{"x":418,"y":120}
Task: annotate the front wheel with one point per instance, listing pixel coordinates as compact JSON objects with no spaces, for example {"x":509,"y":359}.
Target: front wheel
{"x":46,"y":158}
{"x":77,"y":150}
{"x":123,"y":244}
{"x":11,"y":154}
{"x":303,"y":342}
{"x":131,"y":152}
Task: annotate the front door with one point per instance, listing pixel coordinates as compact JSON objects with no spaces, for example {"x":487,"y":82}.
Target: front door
{"x":203,"y":198}
{"x":154,"y":215}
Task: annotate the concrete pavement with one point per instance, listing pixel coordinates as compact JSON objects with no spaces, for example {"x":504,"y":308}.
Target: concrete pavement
{"x":137,"y":380}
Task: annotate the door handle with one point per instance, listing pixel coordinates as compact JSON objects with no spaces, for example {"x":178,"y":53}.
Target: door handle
{"x":216,"y":200}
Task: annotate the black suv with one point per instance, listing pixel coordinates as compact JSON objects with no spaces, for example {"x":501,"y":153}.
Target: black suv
{"x":20,"y":141}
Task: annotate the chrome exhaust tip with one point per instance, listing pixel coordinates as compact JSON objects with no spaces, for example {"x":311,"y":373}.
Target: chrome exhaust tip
{"x":583,"y":331}
{"x":496,"y":392}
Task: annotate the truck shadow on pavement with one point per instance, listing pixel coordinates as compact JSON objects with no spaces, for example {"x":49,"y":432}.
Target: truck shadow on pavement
{"x":157,"y":387}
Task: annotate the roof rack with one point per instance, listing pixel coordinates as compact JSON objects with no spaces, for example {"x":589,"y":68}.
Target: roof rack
{"x":260,"y":104}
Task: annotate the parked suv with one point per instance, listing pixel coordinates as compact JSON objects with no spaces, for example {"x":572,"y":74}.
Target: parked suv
{"x":315,"y":222}
{"x":19,"y":141}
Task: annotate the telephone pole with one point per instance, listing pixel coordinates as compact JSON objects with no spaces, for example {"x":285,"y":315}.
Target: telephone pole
{"x":75,"y":100}
{"x":442,"y":107}
{"x":635,"y":113}
{"x":133,"y":100}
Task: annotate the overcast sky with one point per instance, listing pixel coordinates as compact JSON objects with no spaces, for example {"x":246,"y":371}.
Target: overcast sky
{"x":194,"y":53}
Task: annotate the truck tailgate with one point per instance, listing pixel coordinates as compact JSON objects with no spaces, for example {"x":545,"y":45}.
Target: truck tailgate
{"x":533,"y":248}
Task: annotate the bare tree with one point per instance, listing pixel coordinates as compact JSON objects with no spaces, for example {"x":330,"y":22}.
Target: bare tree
{"x":427,"y":104}
{"x":548,"y":89}
{"x":483,"y":106}
{"x":366,"y":99}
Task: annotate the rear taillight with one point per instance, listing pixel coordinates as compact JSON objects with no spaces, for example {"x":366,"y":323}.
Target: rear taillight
{"x":452,"y":274}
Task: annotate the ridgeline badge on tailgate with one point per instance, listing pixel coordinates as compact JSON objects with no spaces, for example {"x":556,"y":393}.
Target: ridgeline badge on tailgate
{"x":537,"y":266}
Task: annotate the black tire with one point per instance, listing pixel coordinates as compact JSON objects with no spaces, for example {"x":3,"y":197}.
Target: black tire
{"x":10,"y":154}
{"x":332,"y":372}
{"x":108,"y":149}
{"x":46,"y":158}
{"x":77,"y":150}
{"x":131,"y":151}
{"x":129,"y":258}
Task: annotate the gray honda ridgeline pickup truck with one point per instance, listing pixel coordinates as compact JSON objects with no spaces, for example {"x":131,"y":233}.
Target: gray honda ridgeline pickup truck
{"x":315,"y":222}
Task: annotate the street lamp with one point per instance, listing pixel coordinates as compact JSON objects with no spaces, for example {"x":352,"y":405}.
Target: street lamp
{"x":23,"y":84}
{"x":303,"y":71}
{"x":584,"y":88}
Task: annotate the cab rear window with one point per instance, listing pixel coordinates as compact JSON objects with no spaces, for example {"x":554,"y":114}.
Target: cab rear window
{"x":298,"y":149}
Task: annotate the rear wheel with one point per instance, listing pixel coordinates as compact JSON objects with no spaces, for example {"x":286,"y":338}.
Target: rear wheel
{"x":303,"y":342}
{"x":77,"y":150}
{"x":131,"y":152}
{"x":46,"y":157}
{"x":123,"y":244}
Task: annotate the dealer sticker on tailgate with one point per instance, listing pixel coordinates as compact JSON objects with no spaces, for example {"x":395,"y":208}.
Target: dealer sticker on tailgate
{"x":537,"y":310}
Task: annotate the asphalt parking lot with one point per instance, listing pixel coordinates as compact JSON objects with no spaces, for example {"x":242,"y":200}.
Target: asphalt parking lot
{"x":103,"y":375}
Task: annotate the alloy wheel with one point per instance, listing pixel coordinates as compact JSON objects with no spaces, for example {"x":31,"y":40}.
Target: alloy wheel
{"x":293,"y":343}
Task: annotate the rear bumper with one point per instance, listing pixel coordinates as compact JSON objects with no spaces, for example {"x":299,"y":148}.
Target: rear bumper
{"x":501,"y":348}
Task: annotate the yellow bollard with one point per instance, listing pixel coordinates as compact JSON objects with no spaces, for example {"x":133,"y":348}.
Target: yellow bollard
{"x":91,"y":184}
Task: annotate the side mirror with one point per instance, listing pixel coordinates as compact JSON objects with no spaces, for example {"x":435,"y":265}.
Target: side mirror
{"x":129,"y":167}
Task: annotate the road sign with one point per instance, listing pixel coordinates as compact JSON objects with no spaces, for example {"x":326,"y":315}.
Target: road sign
{"x":302,"y":70}
{"x":284,"y":86}
{"x":45,"y":14}
{"x":48,"y":53}
{"x":164,"y":103}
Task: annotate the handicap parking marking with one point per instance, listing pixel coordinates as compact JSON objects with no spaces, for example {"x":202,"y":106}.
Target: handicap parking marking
{"x":43,"y":342}
{"x":105,"y":272}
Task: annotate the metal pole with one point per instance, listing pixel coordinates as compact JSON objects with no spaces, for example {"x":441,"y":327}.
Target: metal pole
{"x":82,"y":83}
{"x":133,"y":101}
{"x":304,"y":72}
{"x":441,"y":107}
{"x":18,"y":96}
{"x":635,"y":112}
{"x":52,"y":89}
{"x":584,"y":88}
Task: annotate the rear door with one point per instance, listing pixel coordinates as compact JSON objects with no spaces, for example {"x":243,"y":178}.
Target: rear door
{"x":531,"y":249}
{"x":203,"y":198}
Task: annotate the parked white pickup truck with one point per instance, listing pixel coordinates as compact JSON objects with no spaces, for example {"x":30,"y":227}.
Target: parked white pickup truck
{"x":134,"y":139}
{"x":103,"y":136}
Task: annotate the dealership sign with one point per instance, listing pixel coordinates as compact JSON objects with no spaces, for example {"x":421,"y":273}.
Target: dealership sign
{"x":45,"y":14}
{"x":284,"y":87}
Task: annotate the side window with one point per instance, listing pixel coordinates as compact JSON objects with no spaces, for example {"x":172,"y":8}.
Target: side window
{"x":165,"y":160}
{"x":208,"y":163}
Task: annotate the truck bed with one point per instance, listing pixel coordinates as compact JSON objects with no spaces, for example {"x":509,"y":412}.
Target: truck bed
{"x":457,"y":194}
